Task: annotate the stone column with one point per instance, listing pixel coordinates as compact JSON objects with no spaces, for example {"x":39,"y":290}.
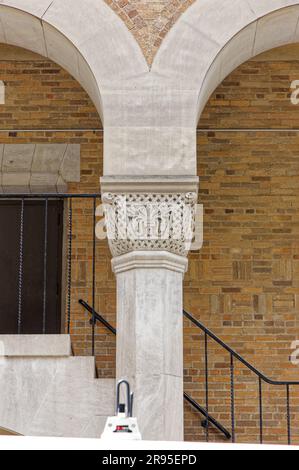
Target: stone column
{"x":150,"y":225}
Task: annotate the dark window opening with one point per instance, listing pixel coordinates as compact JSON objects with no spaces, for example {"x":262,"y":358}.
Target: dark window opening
{"x":40,"y":307}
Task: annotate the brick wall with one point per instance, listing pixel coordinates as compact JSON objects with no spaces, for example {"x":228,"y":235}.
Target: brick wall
{"x":244,"y":284}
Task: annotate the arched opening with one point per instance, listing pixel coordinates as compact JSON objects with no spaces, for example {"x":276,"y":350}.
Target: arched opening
{"x":46,"y":117}
{"x":243,"y":284}
{"x":25,"y":29}
{"x":52,"y":110}
{"x":271,"y":30}
{"x":215,"y":39}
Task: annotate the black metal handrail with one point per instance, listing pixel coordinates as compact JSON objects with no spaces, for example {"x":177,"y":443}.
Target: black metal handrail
{"x":235,"y":354}
{"x":97,"y":317}
{"x":261,"y":378}
{"x":208,"y":418}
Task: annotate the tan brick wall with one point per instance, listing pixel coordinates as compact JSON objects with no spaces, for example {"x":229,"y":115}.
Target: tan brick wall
{"x":244,"y":284}
{"x":149,"y":20}
{"x":40,"y":94}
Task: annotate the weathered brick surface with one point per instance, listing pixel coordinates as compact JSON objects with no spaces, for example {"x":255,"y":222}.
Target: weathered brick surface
{"x":149,"y":20}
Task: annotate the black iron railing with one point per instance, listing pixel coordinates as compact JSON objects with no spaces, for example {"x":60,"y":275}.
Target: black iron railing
{"x":234,"y":356}
{"x":208,"y":417}
{"x":96,"y":317}
{"x":23,"y":200}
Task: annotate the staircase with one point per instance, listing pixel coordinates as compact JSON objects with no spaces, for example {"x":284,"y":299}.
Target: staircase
{"x":286,"y":409}
{"x":45,"y":391}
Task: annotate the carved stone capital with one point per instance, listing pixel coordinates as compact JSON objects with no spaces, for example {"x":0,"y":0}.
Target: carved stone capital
{"x":156,"y":221}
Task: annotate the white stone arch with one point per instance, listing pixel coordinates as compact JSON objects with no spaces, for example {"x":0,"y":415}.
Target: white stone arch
{"x":213,"y":37}
{"x":84,"y":36}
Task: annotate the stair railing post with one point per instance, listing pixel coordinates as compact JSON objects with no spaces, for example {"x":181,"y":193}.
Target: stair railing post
{"x":207,"y":386}
{"x":232,"y":396}
{"x":93,"y":275}
{"x":288,"y":415}
{"x":261,"y":410}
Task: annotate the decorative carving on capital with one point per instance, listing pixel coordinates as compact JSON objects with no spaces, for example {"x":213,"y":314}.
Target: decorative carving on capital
{"x":150,"y":221}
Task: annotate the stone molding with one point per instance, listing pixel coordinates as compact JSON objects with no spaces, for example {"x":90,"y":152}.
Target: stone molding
{"x":35,"y":345}
{"x":149,"y":184}
{"x":150,"y":260}
{"x":32,"y":168}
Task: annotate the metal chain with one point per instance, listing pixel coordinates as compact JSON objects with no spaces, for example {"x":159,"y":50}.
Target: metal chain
{"x":45,"y":267}
{"x":69,"y":278}
{"x":21,"y":268}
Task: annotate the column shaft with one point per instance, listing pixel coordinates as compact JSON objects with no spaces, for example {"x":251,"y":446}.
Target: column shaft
{"x":150,"y":338}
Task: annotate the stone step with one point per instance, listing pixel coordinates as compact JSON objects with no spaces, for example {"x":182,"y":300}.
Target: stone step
{"x":37,"y":402}
{"x":46,"y":391}
{"x":48,"y":346}
{"x":35,"y":346}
